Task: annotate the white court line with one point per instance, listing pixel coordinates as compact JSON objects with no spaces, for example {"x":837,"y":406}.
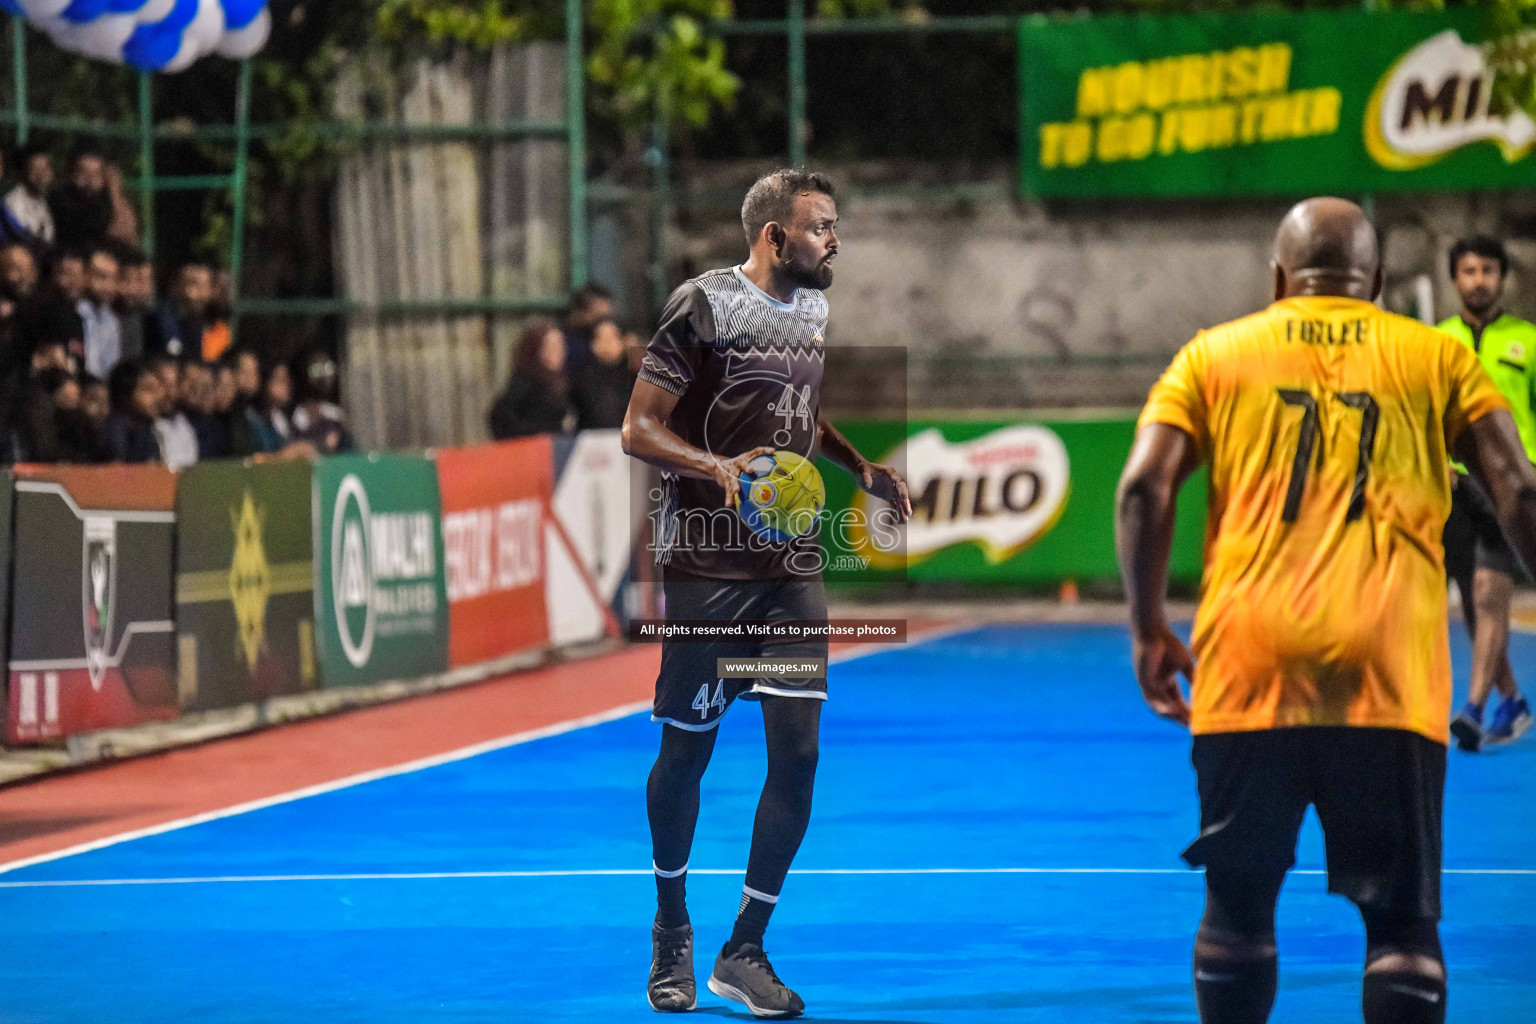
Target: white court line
{"x":601,"y":872}
{"x":461,"y":754}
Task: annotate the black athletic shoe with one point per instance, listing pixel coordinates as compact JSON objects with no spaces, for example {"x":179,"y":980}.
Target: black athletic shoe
{"x":672,"y":988}
{"x":747,"y":977}
{"x":1467,"y":729}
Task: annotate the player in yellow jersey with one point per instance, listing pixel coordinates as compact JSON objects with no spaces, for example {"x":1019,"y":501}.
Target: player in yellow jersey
{"x":1321,"y":672}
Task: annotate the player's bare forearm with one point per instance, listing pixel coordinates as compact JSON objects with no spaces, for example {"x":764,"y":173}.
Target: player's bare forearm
{"x":883,"y":482}
{"x":837,"y":448}
{"x":647,"y":437}
{"x":1492,"y":450}
{"x":1161,"y":459}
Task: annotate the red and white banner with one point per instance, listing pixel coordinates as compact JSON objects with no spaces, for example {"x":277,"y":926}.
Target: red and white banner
{"x":495,"y":504}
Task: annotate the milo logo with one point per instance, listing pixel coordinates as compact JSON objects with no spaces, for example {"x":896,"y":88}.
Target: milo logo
{"x":1446,"y":93}
{"x":1001,"y":491}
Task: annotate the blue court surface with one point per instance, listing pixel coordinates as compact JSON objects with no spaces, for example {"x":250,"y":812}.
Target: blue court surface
{"x":996,"y":838}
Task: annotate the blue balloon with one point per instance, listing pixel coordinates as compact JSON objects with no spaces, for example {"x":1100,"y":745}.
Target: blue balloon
{"x":10,"y":7}
{"x":124,"y":6}
{"x":180,"y":17}
{"x":81,"y":11}
{"x":152,"y":47}
{"x":240,"y":13}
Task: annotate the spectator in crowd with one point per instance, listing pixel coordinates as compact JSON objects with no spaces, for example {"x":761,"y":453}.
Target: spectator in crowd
{"x":198,"y":405}
{"x":537,"y":398}
{"x":18,"y":282}
{"x":95,"y":407}
{"x":135,"y":298}
{"x":216,"y":335}
{"x":601,"y":393}
{"x":590,"y":304}
{"x":46,"y":396}
{"x":167,"y":369}
{"x":103,"y":337}
{"x":249,"y":433}
{"x":80,"y":433}
{"x":82,"y":206}
{"x":226,"y":389}
{"x":176,"y":326}
{"x":247,"y":373}
{"x":54,"y":313}
{"x":276,"y":399}
{"x":174,"y":432}
{"x":634,"y":350}
{"x":25,"y":216}
{"x":18,"y":273}
{"x":137,"y":398}
{"x":317,"y":418}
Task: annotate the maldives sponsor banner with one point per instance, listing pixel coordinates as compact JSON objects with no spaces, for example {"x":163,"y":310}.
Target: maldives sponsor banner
{"x":92,"y":644}
{"x":1027,"y":502}
{"x":495,"y":500}
{"x":381,"y":604}
{"x":245,"y":581}
{"x":1275,"y":102}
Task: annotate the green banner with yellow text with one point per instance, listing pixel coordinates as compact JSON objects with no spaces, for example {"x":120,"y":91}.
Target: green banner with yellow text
{"x":1274,"y":103}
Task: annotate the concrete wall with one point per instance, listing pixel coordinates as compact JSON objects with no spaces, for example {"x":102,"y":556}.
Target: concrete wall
{"x":1002,"y":303}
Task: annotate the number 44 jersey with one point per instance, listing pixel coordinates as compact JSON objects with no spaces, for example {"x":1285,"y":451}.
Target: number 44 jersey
{"x":1326,"y":425}
{"x":747,"y":372}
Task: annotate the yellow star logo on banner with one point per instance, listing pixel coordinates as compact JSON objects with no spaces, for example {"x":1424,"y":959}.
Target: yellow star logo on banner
{"x":250,"y":580}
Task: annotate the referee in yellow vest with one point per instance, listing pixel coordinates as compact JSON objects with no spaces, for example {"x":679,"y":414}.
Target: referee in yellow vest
{"x":1477,"y":556}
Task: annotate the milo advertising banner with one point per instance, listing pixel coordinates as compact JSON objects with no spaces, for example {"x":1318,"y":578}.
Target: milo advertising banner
{"x":381,"y":603}
{"x":245,"y":581}
{"x":1268,"y":103}
{"x":1019,"y":502}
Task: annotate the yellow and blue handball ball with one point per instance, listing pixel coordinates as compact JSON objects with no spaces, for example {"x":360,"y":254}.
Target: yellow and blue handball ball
{"x":782,"y":496}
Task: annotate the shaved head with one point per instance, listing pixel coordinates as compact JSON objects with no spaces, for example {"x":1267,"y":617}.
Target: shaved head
{"x":1326,"y":246}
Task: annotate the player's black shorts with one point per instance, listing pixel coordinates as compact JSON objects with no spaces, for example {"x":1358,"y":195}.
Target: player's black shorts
{"x":689,"y":692}
{"x":1378,"y":794}
{"x":1474,"y":539}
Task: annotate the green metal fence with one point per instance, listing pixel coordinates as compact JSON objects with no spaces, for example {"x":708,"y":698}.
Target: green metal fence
{"x":241,"y":132}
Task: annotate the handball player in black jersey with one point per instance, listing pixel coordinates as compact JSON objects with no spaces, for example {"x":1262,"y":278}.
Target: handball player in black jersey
{"x":734,"y":373}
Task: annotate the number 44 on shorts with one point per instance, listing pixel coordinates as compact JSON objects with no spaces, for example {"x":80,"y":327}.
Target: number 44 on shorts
{"x":702,"y":702}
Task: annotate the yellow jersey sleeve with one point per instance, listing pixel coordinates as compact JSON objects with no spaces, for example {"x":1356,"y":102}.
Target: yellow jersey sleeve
{"x":1472,"y":394}
{"x":1178,"y":398}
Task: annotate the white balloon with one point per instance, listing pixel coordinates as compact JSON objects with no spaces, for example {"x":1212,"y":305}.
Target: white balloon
{"x":185,"y":57}
{"x":41,"y":10}
{"x":207,"y":26}
{"x":102,"y":38}
{"x":154,"y":11}
{"x":200,"y":37}
{"x":248,"y":41}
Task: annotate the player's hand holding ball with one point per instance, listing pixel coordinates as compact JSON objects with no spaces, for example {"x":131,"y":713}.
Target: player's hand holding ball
{"x":728,"y":473}
{"x":781,"y":496}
